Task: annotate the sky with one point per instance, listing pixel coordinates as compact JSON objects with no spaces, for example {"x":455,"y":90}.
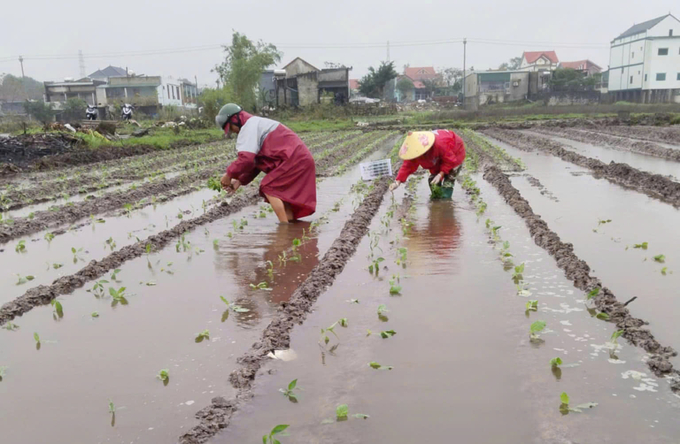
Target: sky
{"x":182,"y":39}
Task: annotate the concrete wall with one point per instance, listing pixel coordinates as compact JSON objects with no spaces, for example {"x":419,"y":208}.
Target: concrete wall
{"x":333,"y":75}
{"x":298,"y":66}
{"x":308,"y":89}
{"x":573,"y":98}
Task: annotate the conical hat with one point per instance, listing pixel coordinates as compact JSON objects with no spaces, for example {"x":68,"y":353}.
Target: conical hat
{"x":416,"y":144}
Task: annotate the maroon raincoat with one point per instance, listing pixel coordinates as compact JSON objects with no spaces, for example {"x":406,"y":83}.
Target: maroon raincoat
{"x":267,"y":146}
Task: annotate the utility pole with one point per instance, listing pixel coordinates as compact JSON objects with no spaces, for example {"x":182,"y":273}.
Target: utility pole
{"x":464,"y":60}
{"x":388,"y":51}
{"x":196,"y":91}
{"x":21,"y":60}
{"x":81,"y":61}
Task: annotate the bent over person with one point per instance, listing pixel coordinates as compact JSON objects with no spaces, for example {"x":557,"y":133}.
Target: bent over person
{"x":440,"y":151}
{"x":266,"y":146}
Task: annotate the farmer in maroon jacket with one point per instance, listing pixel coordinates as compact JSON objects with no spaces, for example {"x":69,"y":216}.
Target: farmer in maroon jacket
{"x":266,"y":146}
{"x":440,"y":151}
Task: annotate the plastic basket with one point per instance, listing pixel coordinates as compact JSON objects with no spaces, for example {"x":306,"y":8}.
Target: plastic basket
{"x":377,"y":168}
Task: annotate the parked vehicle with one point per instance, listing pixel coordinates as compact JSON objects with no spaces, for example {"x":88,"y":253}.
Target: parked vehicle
{"x":126,"y":112}
{"x":91,"y":112}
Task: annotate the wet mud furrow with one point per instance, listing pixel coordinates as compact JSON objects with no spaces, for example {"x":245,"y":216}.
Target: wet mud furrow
{"x":489,"y":154}
{"x":621,"y":174}
{"x":276,"y":335}
{"x":669,"y":135}
{"x":617,"y":143}
{"x":578,"y":272}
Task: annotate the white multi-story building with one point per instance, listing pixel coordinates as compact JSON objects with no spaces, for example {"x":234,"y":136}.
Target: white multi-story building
{"x":644,"y":62}
{"x":169,"y":92}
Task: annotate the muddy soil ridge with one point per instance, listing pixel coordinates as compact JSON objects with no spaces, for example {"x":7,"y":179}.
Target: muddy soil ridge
{"x":578,"y":272}
{"x":654,"y":185}
{"x":276,"y":335}
{"x":43,"y":294}
{"x":618,"y":143}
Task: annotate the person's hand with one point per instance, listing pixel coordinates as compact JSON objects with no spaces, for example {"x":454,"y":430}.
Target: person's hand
{"x":437,"y":179}
{"x":394,"y":185}
{"x":225,"y":181}
{"x":235,"y":185}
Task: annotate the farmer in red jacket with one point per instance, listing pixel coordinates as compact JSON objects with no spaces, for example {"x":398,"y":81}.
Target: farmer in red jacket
{"x":266,"y":146}
{"x":440,"y":151}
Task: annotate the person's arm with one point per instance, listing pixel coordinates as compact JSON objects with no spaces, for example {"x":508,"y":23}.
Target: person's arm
{"x":407,"y":168}
{"x":246,"y":178}
{"x":453,"y":154}
{"x":243,"y":167}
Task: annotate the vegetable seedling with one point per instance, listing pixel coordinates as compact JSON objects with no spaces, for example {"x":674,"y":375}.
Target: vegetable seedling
{"x":49,"y":237}
{"x":535,"y":328}
{"x":660,"y":258}
{"x":164,"y":375}
{"x":343,"y":322}
{"x":615,"y":336}
{"x":270,"y":269}
{"x":114,"y":274}
{"x":532,"y":305}
{"x":215,"y":184}
{"x":290,"y":391}
{"x":20,"y":247}
{"x":205,"y":334}
{"x":602,"y":316}
{"x":118,"y":296}
{"x":232,"y":307}
{"x":76,"y":255}
{"x":556,"y":362}
{"x":376,"y":366}
{"x":37,"y":340}
{"x":565,"y":408}
{"x":95,"y":314}
{"x":110,"y":243}
{"x":58,"y":309}
{"x":98,"y":288}
{"x":642,"y":245}
{"x":517,"y":274}
{"x":341,"y":412}
{"x":324,"y":335}
{"x":23,"y":279}
{"x":387,"y":334}
{"x":403,"y":251}
{"x":592,"y":293}
{"x":261,"y":286}
{"x":395,"y":288}
{"x":10,"y":326}
{"x":375,"y":266}
{"x":269,"y":439}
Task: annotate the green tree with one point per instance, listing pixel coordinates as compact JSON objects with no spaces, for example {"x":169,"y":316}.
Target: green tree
{"x":212,"y":100}
{"x":404,"y":85}
{"x":74,"y":109}
{"x":40,"y":111}
{"x":512,"y":64}
{"x":14,"y":89}
{"x":373,"y":83}
{"x":243,"y":66}
{"x":567,"y":79}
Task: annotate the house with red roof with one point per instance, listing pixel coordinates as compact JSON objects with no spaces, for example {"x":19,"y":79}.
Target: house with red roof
{"x":422,"y":78}
{"x":587,"y":67}
{"x":539,"y":61}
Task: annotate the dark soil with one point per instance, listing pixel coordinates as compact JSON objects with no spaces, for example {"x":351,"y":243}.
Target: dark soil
{"x":43,"y":294}
{"x":618,"y":143}
{"x":333,"y":159}
{"x":544,"y":191}
{"x":578,"y":271}
{"x":621,"y":174}
{"x":652,"y":133}
{"x":22,"y":150}
{"x":277,"y":334}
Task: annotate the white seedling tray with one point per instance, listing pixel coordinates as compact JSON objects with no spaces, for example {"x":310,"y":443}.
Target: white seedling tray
{"x":377,"y":168}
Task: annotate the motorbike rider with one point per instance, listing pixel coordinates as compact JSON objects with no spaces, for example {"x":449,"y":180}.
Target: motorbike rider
{"x":126,"y":111}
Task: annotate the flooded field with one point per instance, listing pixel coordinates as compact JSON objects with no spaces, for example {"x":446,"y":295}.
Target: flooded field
{"x":154,"y":310}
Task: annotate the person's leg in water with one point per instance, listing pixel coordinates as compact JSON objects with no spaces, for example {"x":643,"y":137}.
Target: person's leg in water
{"x":282,"y":209}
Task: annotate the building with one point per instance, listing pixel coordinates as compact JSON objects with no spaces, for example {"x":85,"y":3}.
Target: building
{"x":539,"y":61}
{"x":91,"y":91}
{"x":587,"y":67}
{"x":424,"y":80}
{"x":644,"y":62}
{"x":303,"y":84}
{"x":109,"y":71}
{"x":169,"y":91}
{"x":489,"y":87}
{"x":354,"y":87}
{"x":188,"y":93}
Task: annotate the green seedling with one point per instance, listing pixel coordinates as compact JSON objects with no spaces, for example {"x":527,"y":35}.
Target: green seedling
{"x":114,"y":274}
{"x":375,"y":266}
{"x":376,"y":366}
{"x":603,"y":221}
{"x":341,"y":412}
{"x":23,"y":279}
{"x":205,"y":334}
{"x":76,"y":254}
{"x":98,"y":288}
{"x":58,"y":309}
{"x":592,"y":293}
{"x":164,"y":375}
{"x":20,"y":247}
{"x":532,"y":305}
{"x":127,"y":209}
{"x":110,"y":243}
{"x":660,"y":258}
{"x":216,"y":244}
{"x":269,"y":439}
{"x":488,"y":223}
{"x":642,"y":245}
{"x":118,"y":296}
{"x":382,"y":309}
{"x":556,"y":362}
{"x":3,"y":372}
{"x":112,"y":407}
{"x":10,"y":326}
{"x":343,"y":322}
{"x":260,"y":286}
{"x":565,"y":408}
{"x":368,"y":332}
{"x":324,"y":333}
{"x":232,"y":307}
{"x":494,"y":233}
{"x":615,"y":336}
{"x":664,"y":271}
{"x":535,"y":328}
{"x":215,"y":184}
{"x":290,"y":391}
{"x":270,"y":269}
{"x":183,"y":244}
{"x":57,"y":266}
{"x":403,"y":251}
{"x":387,"y":334}
{"x":395,"y":288}
{"x":36,"y":337}
{"x":94,"y":314}
{"x":517,"y":274}
{"x":49,"y":237}
{"x":602,"y":316}
{"x":296,"y":243}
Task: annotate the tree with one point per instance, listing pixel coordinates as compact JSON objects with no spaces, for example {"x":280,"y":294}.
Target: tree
{"x":74,"y":109}
{"x":373,"y":83}
{"x":567,"y":79}
{"x":40,"y":111}
{"x":14,"y":89}
{"x":512,"y":64}
{"x":452,"y":78}
{"x":243,"y":66}
{"x":212,"y":100}
{"x":404,"y":85}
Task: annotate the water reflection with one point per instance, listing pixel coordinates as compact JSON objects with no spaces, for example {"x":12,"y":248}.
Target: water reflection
{"x":436,"y":238}
{"x":247,"y":260}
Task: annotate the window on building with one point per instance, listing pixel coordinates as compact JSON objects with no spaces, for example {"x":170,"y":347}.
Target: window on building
{"x":645,"y":77}
{"x":679,"y":76}
{"x":661,"y":76}
{"x":632,"y":55}
{"x":663,"y":51}
{"x":670,"y":33}
{"x":631,"y":80}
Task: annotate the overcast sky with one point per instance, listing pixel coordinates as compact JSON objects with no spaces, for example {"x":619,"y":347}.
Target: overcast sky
{"x":577,"y":29}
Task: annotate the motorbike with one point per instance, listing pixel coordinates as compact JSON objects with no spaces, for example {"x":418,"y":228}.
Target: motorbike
{"x":91,"y":112}
{"x":126,"y":112}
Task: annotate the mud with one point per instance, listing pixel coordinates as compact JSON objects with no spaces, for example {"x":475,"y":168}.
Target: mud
{"x":618,"y":143}
{"x":43,"y":294}
{"x":654,"y":134}
{"x":331,"y":159}
{"x":277,"y":334}
{"x":654,"y":185}
{"x":488,"y":153}
{"x":578,"y":272}
{"x":544,"y":191}
{"x":22,"y":150}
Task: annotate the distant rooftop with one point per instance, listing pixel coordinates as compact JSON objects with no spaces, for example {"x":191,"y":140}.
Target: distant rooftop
{"x":642,"y":27}
{"x":109,"y":71}
{"x":532,"y":56}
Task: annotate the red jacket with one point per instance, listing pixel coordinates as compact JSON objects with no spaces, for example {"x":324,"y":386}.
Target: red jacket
{"x":447,"y":153}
